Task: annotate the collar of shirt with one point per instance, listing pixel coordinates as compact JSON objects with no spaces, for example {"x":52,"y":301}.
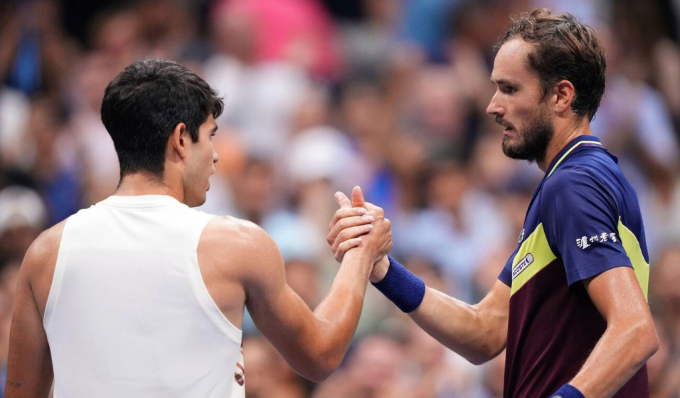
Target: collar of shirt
{"x":588,"y":140}
{"x":580,"y":141}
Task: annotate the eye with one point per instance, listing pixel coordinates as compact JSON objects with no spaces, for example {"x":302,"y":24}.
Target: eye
{"x":508,"y":89}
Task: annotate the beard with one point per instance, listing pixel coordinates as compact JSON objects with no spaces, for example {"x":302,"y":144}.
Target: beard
{"x":533,"y":140}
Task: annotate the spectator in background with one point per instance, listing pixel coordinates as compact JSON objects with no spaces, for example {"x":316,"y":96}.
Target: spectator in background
{"x":268,"y":373}
{"x":100,"y":171}
{"x":22,"y":217}
{"x":424,"y":23}
{"x":492,"y":379}
{"x":54,"y":160}
{"x":260,"y":97}
{"x":254,"y":188}
{"x":374,"y":369}
{"x":431,"y":370}
{"x":36,"y":52}
{"x":665,"y":297}
{"x":455,"y":226}
{"x":296,"y":31}
{"x":664,"y":366}
{"x":646,"y":33}
{"x":368,"y":46}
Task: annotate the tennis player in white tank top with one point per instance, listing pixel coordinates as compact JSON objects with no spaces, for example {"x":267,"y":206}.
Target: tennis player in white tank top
{"x":142,"y":296}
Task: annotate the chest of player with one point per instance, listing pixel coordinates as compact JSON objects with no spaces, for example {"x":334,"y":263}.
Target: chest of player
{"x":533,"y":252}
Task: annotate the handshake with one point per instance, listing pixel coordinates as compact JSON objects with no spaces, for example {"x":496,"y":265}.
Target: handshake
{"x":359,"y":225}
{"x":362,"y":226}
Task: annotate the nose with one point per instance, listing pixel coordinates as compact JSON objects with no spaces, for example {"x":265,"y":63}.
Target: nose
{"x":216,"y":157}
{"x":495,"y":108}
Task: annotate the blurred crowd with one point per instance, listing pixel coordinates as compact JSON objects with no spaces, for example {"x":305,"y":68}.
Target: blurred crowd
{"x":324,"y":95}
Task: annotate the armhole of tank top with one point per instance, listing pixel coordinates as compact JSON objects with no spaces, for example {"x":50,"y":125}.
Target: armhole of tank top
{"x":205,"y":300}
{"x":57,"y":278}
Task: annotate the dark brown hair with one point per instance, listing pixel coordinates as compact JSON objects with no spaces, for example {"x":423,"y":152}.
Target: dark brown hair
{"x":145,"y":102}
{"x":564,"y":49}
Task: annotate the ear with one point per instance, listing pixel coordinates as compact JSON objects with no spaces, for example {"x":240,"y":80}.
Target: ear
{"x":564,"y":96}
{"x":179,"y":140}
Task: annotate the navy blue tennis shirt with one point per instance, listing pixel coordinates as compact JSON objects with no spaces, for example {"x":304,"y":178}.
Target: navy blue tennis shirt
{"x":584,"y":219}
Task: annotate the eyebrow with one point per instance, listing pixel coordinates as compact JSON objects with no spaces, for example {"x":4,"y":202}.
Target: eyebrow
{"x":504,"y":81}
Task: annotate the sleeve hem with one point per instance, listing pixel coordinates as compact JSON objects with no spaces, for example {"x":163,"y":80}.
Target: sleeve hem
{"x":593,"y":270}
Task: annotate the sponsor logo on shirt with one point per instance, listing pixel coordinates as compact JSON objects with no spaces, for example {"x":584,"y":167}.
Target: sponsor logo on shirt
{"x":585,"y":241}
{"x":522,"y":265}
{"x":240,"y":373}
{"x":521,"y":236}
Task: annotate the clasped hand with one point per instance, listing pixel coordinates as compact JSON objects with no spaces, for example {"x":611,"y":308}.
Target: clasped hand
{"x":363,"y":225}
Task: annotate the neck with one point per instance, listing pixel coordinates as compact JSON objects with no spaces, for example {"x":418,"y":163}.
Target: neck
{"x":142,"y":184}
{"x":563,"y":136}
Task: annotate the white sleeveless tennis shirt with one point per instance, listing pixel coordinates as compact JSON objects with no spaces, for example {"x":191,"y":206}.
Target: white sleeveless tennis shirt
{"x":128,"y":314}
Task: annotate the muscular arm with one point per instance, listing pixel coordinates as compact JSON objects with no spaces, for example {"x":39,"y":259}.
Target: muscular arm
{"x":29,"y":372}
{"x":315,"y":342}
{"x":629,"y":340}
{"x":477,"y":332}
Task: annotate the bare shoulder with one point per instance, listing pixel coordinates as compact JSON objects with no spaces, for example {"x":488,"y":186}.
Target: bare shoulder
{"x":242,"y":241}
{"x":233,"y":233}
{"x":37,"y":269}
{"x":43,"y":251}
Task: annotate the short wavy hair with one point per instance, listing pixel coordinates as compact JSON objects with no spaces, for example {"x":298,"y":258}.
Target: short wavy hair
{"x":564,"y":49}
{"x":145,"y":102}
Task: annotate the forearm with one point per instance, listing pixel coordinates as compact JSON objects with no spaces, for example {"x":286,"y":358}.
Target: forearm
{"x":620,"y":353}
{"x":476,"y":332}
{"x":338,"y":314}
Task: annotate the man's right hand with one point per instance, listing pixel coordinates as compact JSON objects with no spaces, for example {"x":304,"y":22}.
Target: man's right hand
{"x":348,"y":229}
{"x":312,"y":343}
{"x":450,"y":321}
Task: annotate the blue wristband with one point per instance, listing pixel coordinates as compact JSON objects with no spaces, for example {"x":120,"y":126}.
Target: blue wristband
{"x":567,"y":391}
{"x":402,"y":287}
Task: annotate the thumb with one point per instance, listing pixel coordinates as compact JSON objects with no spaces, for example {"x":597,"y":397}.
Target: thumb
{"x":342,"y":199}
{"x":358,"y":197}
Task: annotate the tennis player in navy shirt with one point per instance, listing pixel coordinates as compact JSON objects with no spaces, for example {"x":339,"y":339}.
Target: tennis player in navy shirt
{"x":570,"y":304}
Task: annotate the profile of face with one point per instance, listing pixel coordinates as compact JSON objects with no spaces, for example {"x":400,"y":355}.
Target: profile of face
{"x":200,"y":164}
{"x":518,"y":104}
